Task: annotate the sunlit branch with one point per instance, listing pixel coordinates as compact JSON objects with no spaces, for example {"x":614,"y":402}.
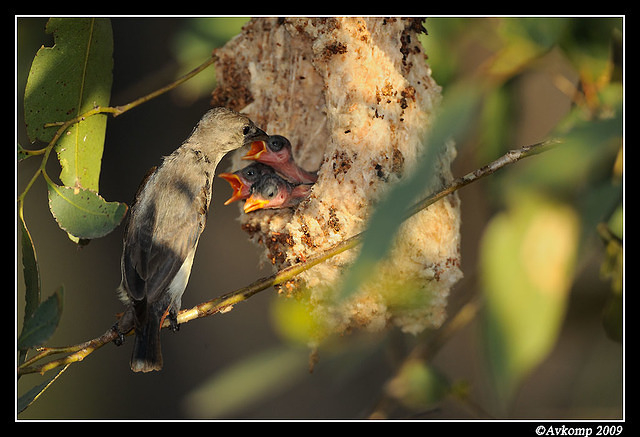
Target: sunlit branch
{"x":227,"y":301}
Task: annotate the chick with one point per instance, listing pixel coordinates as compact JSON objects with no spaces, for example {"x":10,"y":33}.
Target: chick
{"x":276,"y":152}
{"x":242,"y":180}
{"x":273,"y":192}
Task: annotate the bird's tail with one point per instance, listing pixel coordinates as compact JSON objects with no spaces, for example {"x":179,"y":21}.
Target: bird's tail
{"x":147,"y":355}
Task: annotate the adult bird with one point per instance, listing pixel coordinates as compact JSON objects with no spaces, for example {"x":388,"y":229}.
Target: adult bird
{"x":273,"y":192}
{"x":166,"y":220}
{"x":276,"y":152}
{"x":242,"y":180}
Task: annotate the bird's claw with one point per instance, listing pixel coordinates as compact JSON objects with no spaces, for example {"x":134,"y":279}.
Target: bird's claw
{"x":173,"y":322}
{"x":119,"y":340}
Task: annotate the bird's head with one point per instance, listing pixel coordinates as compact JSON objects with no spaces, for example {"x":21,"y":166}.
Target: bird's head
{"x":273,"y":150}
{"x":269,"y":192}
{"x":222,"y":130}
{"x":242,"y":180}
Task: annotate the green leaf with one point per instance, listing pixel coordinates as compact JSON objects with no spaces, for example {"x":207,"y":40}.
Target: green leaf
{"x":30,"y":396}
{"x":31,"y":275}
{"x":418,"y":385}
{"x":83,"y":213}
{"x":65,"y":81}
{"x":261,"y":375}
{"x":588,"y":45}
{"x":22,"y":153}
{"x":293,"y":320}
{"x":451,"y":123}
{"x":527,"y":257}
{"x":30,"y":271}
{"x":42,"y":323}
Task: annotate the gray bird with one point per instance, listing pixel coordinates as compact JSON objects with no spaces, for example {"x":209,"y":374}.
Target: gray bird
{"x":166,"y":220}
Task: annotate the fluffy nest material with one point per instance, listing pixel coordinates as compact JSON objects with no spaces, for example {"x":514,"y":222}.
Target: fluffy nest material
{"x":355,"y":97}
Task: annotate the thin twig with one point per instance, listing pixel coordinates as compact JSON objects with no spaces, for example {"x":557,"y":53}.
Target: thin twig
{"x":227,"y":301}
{"x":124,"y":108}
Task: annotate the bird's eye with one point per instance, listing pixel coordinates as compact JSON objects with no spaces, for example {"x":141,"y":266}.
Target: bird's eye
{"x":246,"y":130}
{"x":276,"y":143}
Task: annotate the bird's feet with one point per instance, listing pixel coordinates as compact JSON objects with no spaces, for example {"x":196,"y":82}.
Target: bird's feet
{"x":173,"y":321}
{"x":119,"y":340}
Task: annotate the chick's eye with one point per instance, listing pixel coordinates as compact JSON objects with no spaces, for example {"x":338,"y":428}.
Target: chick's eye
{"x":276,"y":144}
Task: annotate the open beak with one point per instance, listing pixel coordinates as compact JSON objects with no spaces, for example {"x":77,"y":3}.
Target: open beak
{"x":253,"y":204}
{"x":257,"y":149}
{"x":236,"y":186}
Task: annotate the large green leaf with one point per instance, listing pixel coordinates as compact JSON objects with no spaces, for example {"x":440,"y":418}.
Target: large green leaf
{"x":527,"y":257}
{"x":83,"y":213}
{"x":65,"y":81}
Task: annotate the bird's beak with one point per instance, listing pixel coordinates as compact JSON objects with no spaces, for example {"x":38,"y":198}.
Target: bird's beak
{"x":258,"y":135}
{"x":236,"y":186}
{"x":253,"y":204}
{"x":257,"y":149}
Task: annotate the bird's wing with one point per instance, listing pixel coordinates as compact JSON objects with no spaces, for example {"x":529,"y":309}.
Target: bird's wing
{"x":151,"y":260}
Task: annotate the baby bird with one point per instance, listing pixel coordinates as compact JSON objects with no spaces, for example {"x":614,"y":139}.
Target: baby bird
{"x":276,"y":152}
{"x":242,"y":180}
{"x":166,"y":220}
{"x":273,"y":192}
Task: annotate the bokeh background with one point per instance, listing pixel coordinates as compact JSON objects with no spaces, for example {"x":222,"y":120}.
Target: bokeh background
{"x":241,"y":365}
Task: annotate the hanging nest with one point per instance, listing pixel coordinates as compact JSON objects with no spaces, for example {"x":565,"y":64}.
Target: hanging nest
{"x":355,"y":97}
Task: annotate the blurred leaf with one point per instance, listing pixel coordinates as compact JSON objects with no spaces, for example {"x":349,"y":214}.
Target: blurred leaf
{"x":65,"y":81}
{"x":262,"y":375}
{"x":451,"y":123}
{"x":612,"y":269}
{"x":42,"y":323}
{"x":612,"y":318}
{"x":497,"y":119}
{"x":542,"y":31}
{"x":527,"y":257}
{"x":418,"y":385}
{"x":523,"y":41}
{"x":581,"y":163}
{"x":588,"y":43}
{"x":83,"y":213}
{"x":193,"y":44}
{"x":615,"y":224}
{"x":292,"y":319}
{"x":442,"y":44}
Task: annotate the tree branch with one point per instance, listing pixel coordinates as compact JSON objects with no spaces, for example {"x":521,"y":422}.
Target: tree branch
{"x":226,"y":302}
